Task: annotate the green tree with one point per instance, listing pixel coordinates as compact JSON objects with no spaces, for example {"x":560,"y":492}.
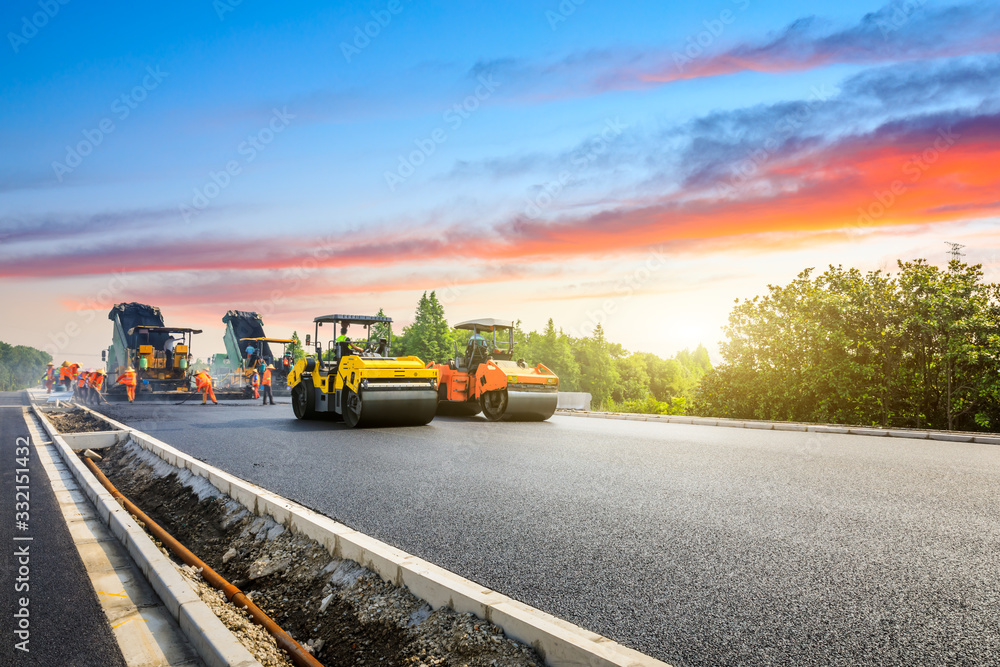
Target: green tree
{"x":296,"y":347}
{"x":916,"y":349}
{"x":597,"y":371}
{"x":429,"y":337}
{"x":554,"y":349}
{"x":633,"y":380}
{"x":21,"y":366}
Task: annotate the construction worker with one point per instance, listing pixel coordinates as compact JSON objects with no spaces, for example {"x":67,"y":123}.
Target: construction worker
{"x":96,"y":380}
{"x":251,"y":356}
{"x":343,"y":342}
{"x":265,"y":384}
{"x":204,"y":383}
{"x":255,"y":384}
{"x":82,"y":385}
{"x":65,"y":375}
{"x":128,"y":379}
{"x":50,"y":377}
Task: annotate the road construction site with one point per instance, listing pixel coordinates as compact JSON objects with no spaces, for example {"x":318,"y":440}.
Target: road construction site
{"x":695,"y":545}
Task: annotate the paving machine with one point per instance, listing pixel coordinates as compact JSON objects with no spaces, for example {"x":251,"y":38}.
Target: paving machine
{"x":245,"y":330}
{"x":360,"y":382}
{"x":486,"y":378}
{"x":160,"y":355}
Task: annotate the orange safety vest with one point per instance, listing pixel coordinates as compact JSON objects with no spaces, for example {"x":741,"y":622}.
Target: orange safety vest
{"x":266,"y":378}
{"x":50,"y":373}
{"x":83,"y":379}
{"x":127,"y":378}
{"x":95,"y":380}
{"x":202,"y":378}
{"x":64,"y":372}
{"x":255,"y":380}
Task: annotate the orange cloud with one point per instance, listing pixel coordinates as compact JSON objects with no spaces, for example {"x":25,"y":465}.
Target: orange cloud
{"x":922,"y":174}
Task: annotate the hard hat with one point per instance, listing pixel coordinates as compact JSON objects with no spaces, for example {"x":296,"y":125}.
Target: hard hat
{"x":65,"y":363}
{"x":51,"y":364}
{"x":101,"y":371}
{"x":270,"y":367}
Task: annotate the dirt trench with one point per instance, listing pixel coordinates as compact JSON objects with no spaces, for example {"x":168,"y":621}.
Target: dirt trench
{"x":77,"y":421}
{"x":344,"y":613}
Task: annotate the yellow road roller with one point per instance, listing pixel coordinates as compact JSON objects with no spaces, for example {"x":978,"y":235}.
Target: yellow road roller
{"x":358,"y":380}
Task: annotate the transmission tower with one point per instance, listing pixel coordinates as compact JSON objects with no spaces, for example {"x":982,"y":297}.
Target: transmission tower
{"x":956,"y":251}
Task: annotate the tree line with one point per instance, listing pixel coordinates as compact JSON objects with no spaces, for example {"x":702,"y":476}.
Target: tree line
{"x":21,"y":366}
{"x":920,"y":349}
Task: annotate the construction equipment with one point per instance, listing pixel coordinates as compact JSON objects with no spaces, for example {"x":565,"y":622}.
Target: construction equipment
{"x":486,"y":378}
{"x":160,"y":355}
{"x":364,"y":386}
{"x":246,"y":329}
{"x":140,"y":339}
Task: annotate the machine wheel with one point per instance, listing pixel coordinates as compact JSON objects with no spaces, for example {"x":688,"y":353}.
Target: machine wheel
{"x":494,"y":404}
{"x":302,"y":402}
{"x":352,"y":408}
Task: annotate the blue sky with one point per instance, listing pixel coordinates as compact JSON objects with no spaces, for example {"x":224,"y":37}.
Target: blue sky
{"x":583,"y":145}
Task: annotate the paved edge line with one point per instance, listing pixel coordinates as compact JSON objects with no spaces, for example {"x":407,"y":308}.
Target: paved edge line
{"x":214,"y":643}
{"x":560,"y":643}
{"x":944,"y":436}
{"x":157,"y":640}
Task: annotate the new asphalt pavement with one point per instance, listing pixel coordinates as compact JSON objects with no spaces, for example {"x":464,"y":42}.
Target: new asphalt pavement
{"x":698,"y":545}
{"x":49,"y":612}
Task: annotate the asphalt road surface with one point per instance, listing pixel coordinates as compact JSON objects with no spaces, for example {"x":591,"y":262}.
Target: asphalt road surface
{"x":697,"y":545}
{"x":66,"y":624}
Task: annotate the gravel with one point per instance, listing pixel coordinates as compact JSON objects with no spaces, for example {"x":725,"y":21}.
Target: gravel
{"x":77,"y":421}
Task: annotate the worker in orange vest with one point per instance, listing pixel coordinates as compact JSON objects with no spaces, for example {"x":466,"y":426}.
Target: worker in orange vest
{"x":128,"y":379}
{"x":96,"y":380}
{"x":204,"y":383}
{"x":255,"y":384}
{"x":50,"y":376}
{"x":82,"y":385}
{"x":265,"y":385}
{"x":65,"y":375}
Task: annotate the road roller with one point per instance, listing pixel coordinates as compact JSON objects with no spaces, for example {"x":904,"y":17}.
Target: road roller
{"x":485,"y":378}
{"x":357,"y":380}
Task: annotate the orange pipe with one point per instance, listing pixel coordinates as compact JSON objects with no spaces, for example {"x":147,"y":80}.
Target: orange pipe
{"x":299,"y":655}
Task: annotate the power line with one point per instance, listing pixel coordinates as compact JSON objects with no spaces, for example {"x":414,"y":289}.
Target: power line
{"x":956,"y":251}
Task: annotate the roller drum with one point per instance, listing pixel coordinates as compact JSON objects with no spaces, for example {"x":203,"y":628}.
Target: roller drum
{"x":374,"y":407}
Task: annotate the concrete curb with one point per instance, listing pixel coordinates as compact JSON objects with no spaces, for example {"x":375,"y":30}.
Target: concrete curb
{"x":560,"y":643}
{"x":950,"y":436}
{"x":215,"y":644}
